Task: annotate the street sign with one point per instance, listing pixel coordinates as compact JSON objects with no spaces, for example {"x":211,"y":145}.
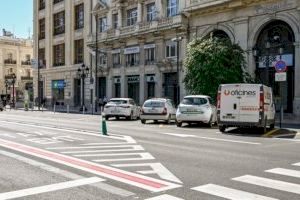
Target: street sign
{"x":280,"y":66}
{"x":280,"y":77}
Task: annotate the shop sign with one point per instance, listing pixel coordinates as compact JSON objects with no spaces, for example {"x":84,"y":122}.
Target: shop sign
{"x":58,"y":84}
{"x":133,"y":79}
{"x":149,"y":46}
{"x":132,"y":50}
{"x":115,"y":51}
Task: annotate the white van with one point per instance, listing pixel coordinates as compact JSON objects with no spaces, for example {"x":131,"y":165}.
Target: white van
{"x":245,"y":105}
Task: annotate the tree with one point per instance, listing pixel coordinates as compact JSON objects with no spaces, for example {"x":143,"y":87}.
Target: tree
{"x":211,"y":62}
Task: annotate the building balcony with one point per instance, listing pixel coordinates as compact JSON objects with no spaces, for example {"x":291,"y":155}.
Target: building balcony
{"x":26,"y":78}
{"x":193,"y":5}
{"x":10,"y":61}
{"x":132,"y":64}
{"x":150,"y":62}
{"x":26,"y":62}
{"x":140,"y":28}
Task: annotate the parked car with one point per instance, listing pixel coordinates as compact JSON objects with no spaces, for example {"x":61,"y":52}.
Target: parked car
{"x":158,"y":109}
{"x":245,"y":105}
{"x":196,"y":109}
{"x":121,"y":107}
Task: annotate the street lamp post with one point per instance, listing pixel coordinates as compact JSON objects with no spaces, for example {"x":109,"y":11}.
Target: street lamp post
{"x":177,"y":39}
{"x":13,"y":76}
{"x":82,"y":73}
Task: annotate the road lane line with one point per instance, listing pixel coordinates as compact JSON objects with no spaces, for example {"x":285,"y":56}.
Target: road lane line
{"x":229,"y":193}
{"x":286,"y":172}
{"x":143,"y":156}
{"x":165,"y":197}
{"x":179,"y":135}
{"x":269,"y":183}
{"x":95,"y":147}
{"x":134,"y":148}
{"x":227,"y":140}
{"x":49,"y":188}
{"x":147,"y":183}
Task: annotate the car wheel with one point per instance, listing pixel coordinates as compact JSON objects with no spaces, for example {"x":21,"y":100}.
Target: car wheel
{"x":222,"y":128}
{"x":117,"y":118}
{"x":106,"y":118}
{"x":178,"y":124}
{"x":143,"y":121}
{"x":155,"y":121}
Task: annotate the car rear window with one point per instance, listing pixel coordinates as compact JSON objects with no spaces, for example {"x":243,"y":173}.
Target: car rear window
{"x":194,"y":101}
{"x":116,"y":101}
{"x":155,"y":104}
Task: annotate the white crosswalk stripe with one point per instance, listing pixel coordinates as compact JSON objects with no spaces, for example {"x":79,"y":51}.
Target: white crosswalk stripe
{"x":165,"y":197}
{"x":269,"y":183}
{"x":285,"y":172}
{"x":229,"y":193}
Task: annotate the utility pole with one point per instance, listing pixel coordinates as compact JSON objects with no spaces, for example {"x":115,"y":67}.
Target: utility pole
{"x":96,"y":65}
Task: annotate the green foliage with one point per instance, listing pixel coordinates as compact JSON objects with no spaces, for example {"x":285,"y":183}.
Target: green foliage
{"x":211,"y":62}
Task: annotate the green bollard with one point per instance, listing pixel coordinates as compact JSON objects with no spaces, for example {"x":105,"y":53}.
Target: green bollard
{"x":104,"y":127}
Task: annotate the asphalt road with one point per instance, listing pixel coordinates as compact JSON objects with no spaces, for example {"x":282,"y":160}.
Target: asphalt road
{"x":46,"y":155}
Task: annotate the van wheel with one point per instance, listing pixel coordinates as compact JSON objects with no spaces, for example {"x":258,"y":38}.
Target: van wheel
{"x":143,"y":121}
{"x":222,"y":128}
{"x":178,"y":124}
{"x":265,"y":125}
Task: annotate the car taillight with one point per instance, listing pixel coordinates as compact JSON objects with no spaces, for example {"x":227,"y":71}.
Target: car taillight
{"x":219,"y":99}
{"x":165,"y":111}
{"x":261,"y":101}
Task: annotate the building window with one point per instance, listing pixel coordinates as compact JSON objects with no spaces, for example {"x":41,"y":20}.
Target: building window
{"x":102,"y":24}
{"x":59,"y":55}
{"x":59,"y":23}
{"x":172,"y":8}
{"x":42,"y":29}
{"x":115,"y":21}
{"x":131,"y":17}
{"x":102,"y":59}
{"x":57,"y":1}
{"x":171,"y":50}
{"x":150,"y":55}
{"x":79,"y":16}
{"x":41,"y":55}
{"x":41,"y":4}
{"x":151,"y":12}
{"x":132,"y":59}
{"x":78,"y":51}
{"x":116,"y":59}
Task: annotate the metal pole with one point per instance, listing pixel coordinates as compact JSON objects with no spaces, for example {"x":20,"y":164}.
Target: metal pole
{"x":38,"y":79}
{"x":13,"y":93}
{"x":96,"y":64}
{"x":178,"y":77}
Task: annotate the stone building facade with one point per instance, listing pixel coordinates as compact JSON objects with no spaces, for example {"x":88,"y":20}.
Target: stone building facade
{"x":268,"y":30}
{"x":132,"y":44}
{"x":15,"y":58}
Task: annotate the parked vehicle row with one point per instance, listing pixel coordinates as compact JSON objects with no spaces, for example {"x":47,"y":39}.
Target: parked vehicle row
{"x":238,"y":105}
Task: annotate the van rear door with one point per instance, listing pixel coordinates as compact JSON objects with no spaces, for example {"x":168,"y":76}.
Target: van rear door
{"x":249,"y":102}
{"x":229,"y":103}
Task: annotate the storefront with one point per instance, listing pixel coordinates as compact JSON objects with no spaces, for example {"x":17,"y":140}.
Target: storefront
{"x":150,"y":78}
{"x":58,"y":92}
{"x":101,"y":84}
{"x":117,"y":87}
{"x":170,"y":86}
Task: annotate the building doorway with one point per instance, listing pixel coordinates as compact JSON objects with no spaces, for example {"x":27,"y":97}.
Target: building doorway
{"x":276,"y":42}
{"x":101,"y":87}
{"x":77,"y":92}
{"x":134,"y":88}
{"x":170,"y":86}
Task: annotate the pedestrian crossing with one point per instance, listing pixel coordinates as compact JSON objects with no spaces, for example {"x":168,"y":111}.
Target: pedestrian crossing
{"x":282,"y":186}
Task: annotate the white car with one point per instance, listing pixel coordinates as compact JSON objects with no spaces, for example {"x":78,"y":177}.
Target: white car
{"x":158,"y":109}
{"x":121,"y":107}
{"x":196,"y":109}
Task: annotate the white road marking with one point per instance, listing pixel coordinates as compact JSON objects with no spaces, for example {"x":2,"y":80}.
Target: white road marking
{"x":157,"y":168}
{"x":93,"y":147}
{"x":142,"y":156}
{"x":102,"y":186}
{"x":229,"y":193}
{"x":269,"y":183}
{"x":165,"y":197}
{"x":286,"y":172}
{"x":297,"y":164}
{"x":134,"y":179}
{"x":179,"y":135}
{"x":49,"y":188}
{"x":107,"y":143}
{"x":130,"y":148}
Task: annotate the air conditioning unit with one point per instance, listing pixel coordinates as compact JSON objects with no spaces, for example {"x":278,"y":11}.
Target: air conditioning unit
{"x":151,"y":79}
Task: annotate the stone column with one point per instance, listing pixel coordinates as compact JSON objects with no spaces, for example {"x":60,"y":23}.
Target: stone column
{"x":297,"y":80}
{"x":140,"y":12}
{"x":120,"y":24}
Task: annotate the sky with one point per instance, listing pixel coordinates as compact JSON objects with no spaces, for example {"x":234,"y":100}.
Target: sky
{"x":16,"y":16}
